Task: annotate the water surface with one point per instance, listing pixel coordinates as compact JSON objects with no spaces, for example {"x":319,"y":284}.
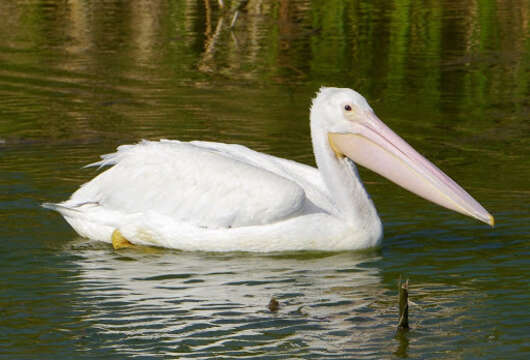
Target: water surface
{"x":78,"y":78}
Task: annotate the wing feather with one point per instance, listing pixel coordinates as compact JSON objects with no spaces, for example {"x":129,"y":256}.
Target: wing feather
{"x":191,"y":183}
{"x":307,"y":177}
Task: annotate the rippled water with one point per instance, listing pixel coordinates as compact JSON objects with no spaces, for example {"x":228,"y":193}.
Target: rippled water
{"x":78,"y":78}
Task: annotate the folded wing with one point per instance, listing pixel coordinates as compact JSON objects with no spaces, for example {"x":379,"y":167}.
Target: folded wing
{"x":191,"y":183}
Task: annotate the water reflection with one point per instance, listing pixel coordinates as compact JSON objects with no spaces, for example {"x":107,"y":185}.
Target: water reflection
{"x":412,"y":51}
{"x":402,"y":337}
{"x":208,"y":304}
{"x":214,"y":303}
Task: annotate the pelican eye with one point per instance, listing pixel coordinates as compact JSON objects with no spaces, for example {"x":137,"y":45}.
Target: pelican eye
{"x":347,"y":107}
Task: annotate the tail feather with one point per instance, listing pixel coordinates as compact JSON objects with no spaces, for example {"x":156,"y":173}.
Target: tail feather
{"x":52,"y":206}
{"x":69,"y":209}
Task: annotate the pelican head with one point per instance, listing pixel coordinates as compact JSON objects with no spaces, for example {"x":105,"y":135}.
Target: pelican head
{"x":343,"y":118}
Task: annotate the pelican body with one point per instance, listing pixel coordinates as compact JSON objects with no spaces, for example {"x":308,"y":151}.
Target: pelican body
{"x":221,"y":197}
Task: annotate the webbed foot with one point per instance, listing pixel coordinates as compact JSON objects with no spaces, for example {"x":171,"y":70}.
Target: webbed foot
{"x":119,"y":241}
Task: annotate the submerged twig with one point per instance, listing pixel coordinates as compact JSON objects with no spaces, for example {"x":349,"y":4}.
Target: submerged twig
{"x":403,"y":304}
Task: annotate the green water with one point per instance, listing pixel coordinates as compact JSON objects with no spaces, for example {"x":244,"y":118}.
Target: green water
{"x":78,"y":78}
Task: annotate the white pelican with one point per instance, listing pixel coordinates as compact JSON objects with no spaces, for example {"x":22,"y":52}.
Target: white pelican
{"x":219,"y":197}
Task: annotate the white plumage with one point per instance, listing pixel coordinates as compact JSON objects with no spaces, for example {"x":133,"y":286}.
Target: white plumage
{"x":191,"y":184}
{"x":220,"y":197}
{"x":206,"y":196}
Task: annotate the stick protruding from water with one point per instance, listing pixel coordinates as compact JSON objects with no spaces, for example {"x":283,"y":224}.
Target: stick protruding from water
{"x":274,"y":305}
{"x":403,"y":304}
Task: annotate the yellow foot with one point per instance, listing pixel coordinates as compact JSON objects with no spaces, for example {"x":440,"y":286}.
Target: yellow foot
{"x":120,"y":242}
